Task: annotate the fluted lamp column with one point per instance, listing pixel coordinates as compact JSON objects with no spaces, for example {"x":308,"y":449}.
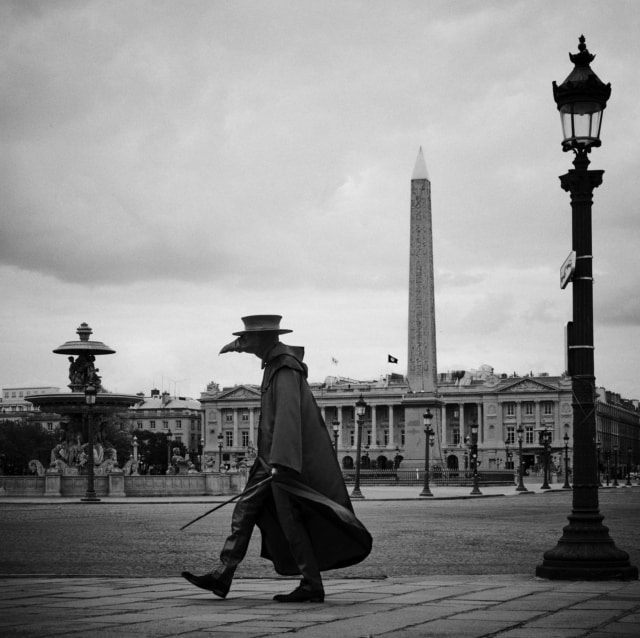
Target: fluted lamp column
{"x":427,"y":418}
{"x":585,"y":551}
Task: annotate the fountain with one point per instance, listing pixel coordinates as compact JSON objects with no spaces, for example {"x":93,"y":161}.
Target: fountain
{"x":83,"y":450}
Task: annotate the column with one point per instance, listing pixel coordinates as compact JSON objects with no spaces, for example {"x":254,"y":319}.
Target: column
{"x":391,"y":443}
{"x":463,"y":429}
{"x":339,"y":418}
{"x":481,"y":432}
{"x":252,"y":426}
{"x":374,"y":430}
{"x":443,"y":426}
{"x":236,"y":439}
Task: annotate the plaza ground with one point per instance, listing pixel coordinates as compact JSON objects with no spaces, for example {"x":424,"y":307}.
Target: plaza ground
{"x":453,"y":565}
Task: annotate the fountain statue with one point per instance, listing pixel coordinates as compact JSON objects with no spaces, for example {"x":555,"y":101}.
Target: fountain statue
{"x":83,"y":448}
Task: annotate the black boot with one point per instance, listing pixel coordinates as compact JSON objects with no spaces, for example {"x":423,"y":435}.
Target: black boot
{"x":301,"y":595}
{"x":208,"y":582}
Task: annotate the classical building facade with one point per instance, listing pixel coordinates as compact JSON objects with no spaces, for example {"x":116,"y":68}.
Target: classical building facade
{"x":15,"y":405}
{"x":161,"y":412}
{"x":499,"y":404}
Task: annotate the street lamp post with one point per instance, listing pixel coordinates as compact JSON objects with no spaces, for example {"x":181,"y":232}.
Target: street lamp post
{"x":90,"y":392}
{"x":521,"y":487}
{"x":427,"y":418}
{"x":474,"y":458}
{"x":361,"y":408}
{"x":628,"y":483}
{"x":336,"y":429}
{"x":200,"y":453}
{"x":220,"y":438}
{"x":169,"y":440}
{"x":615,"y":466}
{"x":135,"y":447}
{"x":585,"y":551}
{"x":607,"y":459}
{"x":598,"y":461}
{"x":545,"y":441}
{"x":566,"y":485}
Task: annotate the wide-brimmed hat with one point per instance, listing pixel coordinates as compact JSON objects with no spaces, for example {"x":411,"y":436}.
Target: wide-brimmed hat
{"x":262,"y":323}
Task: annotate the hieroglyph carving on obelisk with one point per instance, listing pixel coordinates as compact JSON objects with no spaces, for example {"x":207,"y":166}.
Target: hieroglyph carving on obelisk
{"x":422,"y":371}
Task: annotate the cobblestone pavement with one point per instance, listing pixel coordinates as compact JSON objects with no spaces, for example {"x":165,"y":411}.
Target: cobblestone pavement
{"x":505,"y":606}
{"x":445,"y":535}
{"x":451,"y":566}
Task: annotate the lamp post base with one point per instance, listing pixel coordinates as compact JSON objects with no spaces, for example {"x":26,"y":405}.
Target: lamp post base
{"x":356,"y":493}
{"x":90,"y":498}
{"x":426,"y":492}
{"x":586,"y":552}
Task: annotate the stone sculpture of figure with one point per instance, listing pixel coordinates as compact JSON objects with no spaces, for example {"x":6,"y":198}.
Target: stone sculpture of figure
{"x":110,"y":462}
{"x":131,"y":467}
{"x":36,"y":467}
{"x":209,"y":463}
{"x":252,"y":454}
{"x":60,"y":457}
{"x":75,"y":450}
{"x":82,"y":371}
{"x":180,"y":464}
{"x":73,"y":371}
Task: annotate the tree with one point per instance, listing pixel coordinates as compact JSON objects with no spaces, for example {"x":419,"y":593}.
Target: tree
{"x":153,"y":449}
{"x":22,"y":441}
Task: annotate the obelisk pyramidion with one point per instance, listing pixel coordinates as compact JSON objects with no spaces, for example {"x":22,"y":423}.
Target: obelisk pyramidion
{"x":422,"y":371}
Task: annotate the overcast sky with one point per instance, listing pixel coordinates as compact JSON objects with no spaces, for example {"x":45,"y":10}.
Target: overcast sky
{"x":170,"y":166}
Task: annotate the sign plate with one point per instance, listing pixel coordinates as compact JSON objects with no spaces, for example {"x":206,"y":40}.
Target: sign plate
{"x":567,"y":269}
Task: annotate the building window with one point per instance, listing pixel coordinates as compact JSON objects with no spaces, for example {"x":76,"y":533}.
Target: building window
{"x":245,"y":416}
{"x":165,"y":425}
{"x":510,"y":409}
{"x":179,"y":424}
{"x":228,"y":417}
{"x":228,"y":435}
{"x":528,"y":408}
{"x":152,"y":425}
{"x":50,"y":426}
{"x":402,"y":438}
{"x":528,"y":435}
{"x":547,"y":407}
{"x":352,"y":438}
{"x":140,"y":425}
{"x":511,"y":435}
{"x":245,"y":438}
{"x":385,"y":436}
{"x":456,"y":436}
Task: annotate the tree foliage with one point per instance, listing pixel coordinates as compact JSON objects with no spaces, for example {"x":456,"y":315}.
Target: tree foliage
{"x":22,"y":441}
{"x":153,"y":450}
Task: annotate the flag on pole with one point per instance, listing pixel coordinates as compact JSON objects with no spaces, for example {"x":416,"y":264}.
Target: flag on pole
{"x":334,"y":361}
{"x":392,"y":359}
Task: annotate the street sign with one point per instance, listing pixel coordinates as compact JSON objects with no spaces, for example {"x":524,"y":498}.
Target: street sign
{"x":567,"y":269}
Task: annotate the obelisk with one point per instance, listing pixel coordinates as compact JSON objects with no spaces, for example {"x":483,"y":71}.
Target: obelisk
{"x":422,"y":371}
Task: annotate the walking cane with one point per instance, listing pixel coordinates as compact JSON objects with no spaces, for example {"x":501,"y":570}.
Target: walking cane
{"x":234,"y":498}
